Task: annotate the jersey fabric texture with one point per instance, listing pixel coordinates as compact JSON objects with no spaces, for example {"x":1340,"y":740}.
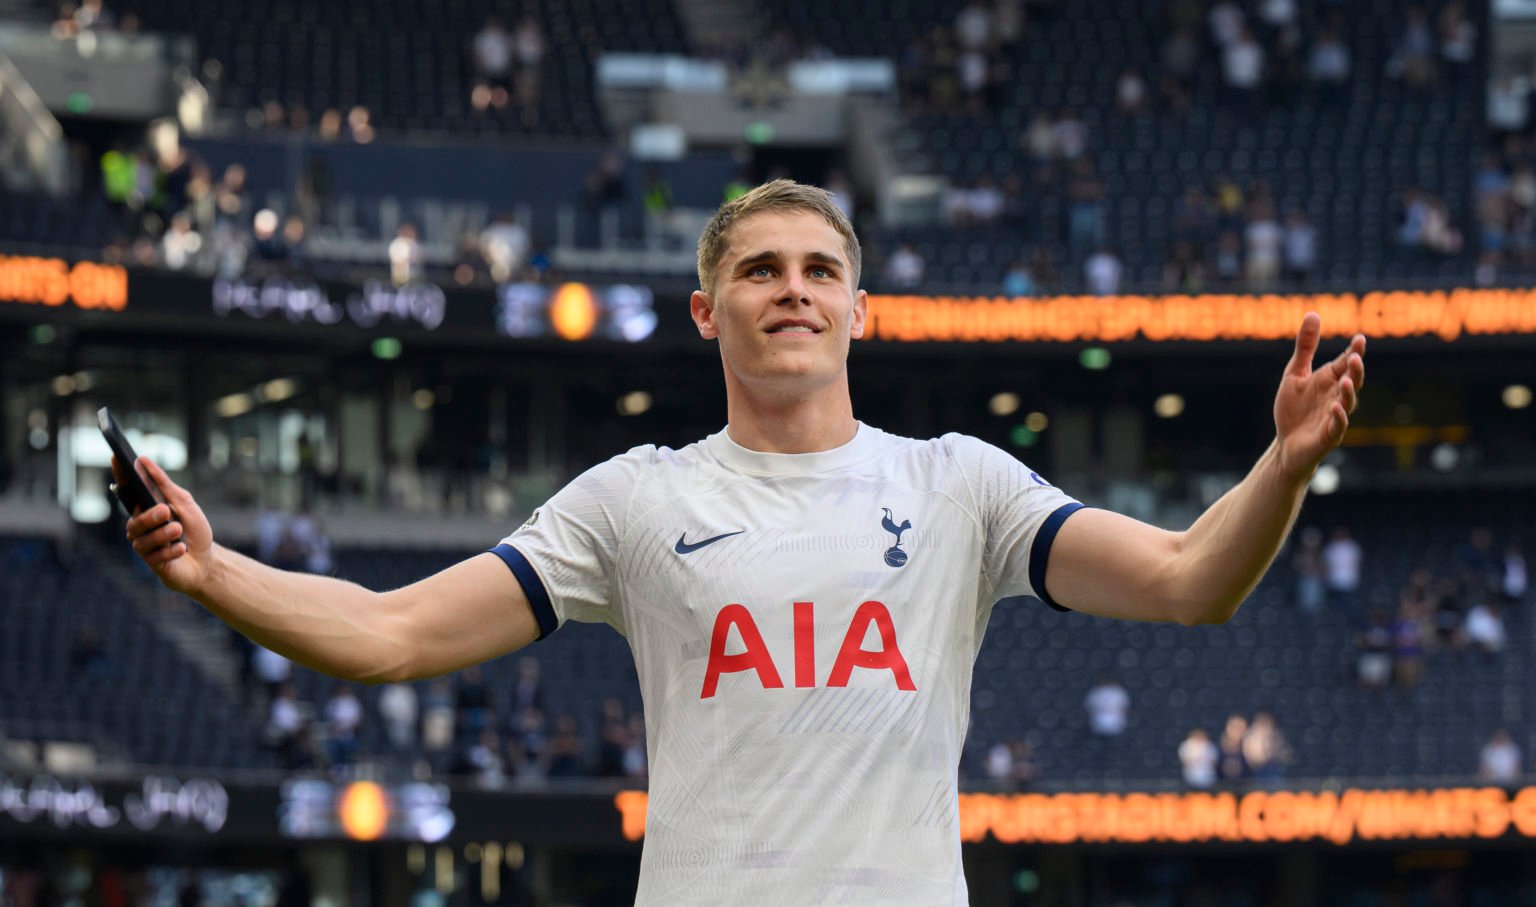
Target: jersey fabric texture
{"x":804,"y":628}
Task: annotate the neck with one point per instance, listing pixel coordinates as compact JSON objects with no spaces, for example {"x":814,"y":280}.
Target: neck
{"x":777,"y":423}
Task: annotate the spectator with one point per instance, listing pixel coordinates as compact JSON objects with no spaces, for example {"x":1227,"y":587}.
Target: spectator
{"x":1265,"y":240}
{"x":530,"y":746}
{"x":1226,"y":22}
{"x":1242,"y":66}
{"x":398,"y":706}
{"x":360,"y":125}
{"x":268,"y":244}
{"x":1308,"y":564}
{"x":1192,"y":215}
{"x":405,"y":256}
{"x":1198,"y":757}
{"x":272,"y":670}
{"x":1447,"y":602}
{"x":1373,"y":666}
{"x":284,"y":717}
{"x":973,"y":26}
{"x":1277,"y":15}
{"x":472,"y":701}
{"x":504,"y":245}
{"x":1265,"y":749}
{"x":492,"y":55}
{"x":528,"y":693}
{"x":1130,"y":91}
{"x":469,"y":266}
{"x":1486,"y":272}
{"x":1458,"y":38}
{"x":605,"y":183}
{"x":1485,"y":628}
{"x":437,"y":724}
{"x":1040,"y":138}
{"x":1102,"y":272}
{"x":1476,"y":565}
{"x":1108,"y":704}
{"x":1229,"y":259}
{"x":1408,"y":633}
{"x":1300,"y":247}
{"x":985,"y":200}
{"x":1071,"y":135}
{"x":1330,"y":63}
{"x":613,"y":740}
{"x":1184,"y":271}
{"x":180,"y":244}
{"x":1439,"y":235}
{"x":1500,"y":760}
{"x":567,"y":751}
{"x":1181,"y":54}
{"x":1513,"y":580}
{"x":1491,"y":186}
{"x":1227,"y":198}
{"x":1018,"y":281}
{"x":905,"y":268}
{"x":842,"y":192}
{"x":1233,"y":766}
{"x":293,"y":239}
{"x":1085,"y":193}
{"x":1413,"y":60}
{"x":999,"y":764}
{"x":656,"y":198}
{"x":635,"y":765}
{"x":1341,"y":566}
{"x":529,"y":46}
{"x":343,"y":717}
{"x":484,"y":761}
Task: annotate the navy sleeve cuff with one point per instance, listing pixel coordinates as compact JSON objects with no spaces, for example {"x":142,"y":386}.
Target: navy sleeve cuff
{"x":1040,"y":551}
{"x":533,"y":587}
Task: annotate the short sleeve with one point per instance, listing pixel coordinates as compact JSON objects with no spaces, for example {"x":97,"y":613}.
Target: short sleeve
{"x":566,"y":555}
{"x":1020,"y":513}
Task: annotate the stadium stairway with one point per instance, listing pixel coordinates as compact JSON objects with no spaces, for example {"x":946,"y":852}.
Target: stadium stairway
{"x":200,"y":642}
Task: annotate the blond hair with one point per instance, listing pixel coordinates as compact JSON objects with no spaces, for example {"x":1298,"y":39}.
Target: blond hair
{"x":776,"y":195}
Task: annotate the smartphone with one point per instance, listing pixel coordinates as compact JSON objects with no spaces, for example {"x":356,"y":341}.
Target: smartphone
{"x":137,"y":491}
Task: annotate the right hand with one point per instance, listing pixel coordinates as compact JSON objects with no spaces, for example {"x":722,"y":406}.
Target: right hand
{"x":179,"y":550}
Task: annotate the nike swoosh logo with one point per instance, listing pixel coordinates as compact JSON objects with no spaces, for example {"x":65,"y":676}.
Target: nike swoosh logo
{"x":683,"y":547}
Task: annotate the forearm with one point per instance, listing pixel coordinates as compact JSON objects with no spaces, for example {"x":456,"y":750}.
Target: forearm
{"x":1226,"y":552}
{"x":331,"y":625}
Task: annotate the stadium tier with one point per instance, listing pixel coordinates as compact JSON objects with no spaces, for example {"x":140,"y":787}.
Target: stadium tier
{"x":147,"y":705}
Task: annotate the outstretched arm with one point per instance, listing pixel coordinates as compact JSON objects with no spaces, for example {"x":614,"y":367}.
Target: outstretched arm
{"x":1113,"y":566}
{"x":471,"y":612}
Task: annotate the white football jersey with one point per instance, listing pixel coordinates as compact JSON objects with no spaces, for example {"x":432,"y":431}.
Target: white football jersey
{"x":804,"y":628}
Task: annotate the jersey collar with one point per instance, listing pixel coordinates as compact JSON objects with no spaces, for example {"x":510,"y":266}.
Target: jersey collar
{"x":865,"y":444}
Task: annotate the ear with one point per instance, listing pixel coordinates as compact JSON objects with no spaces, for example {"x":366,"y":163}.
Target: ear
{"x":860,"y":313}
{"x":702,"y":308}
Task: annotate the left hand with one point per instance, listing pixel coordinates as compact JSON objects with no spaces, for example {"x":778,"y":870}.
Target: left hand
{"x":1312,"y":408}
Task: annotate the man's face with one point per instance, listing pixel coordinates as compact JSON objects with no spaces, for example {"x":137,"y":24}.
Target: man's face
{"x":784,"y":306}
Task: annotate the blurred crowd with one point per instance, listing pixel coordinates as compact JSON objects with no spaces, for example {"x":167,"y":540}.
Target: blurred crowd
{"x":459,"y":725}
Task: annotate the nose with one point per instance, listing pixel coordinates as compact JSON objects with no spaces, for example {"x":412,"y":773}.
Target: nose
{"x":794,"y":290}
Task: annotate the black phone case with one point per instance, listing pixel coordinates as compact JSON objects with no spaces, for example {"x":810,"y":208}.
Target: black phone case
{"x":135,"y":492}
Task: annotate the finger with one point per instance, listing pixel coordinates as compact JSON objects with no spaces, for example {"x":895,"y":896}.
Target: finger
{"x":1306,"y":345}
{"x":1338,"y":423}
{"x":151,"y":541}
{"x":174,"y":494}
{"x":148,"y":520}
{"x":165,"y":555}
{"x":1357,"y":371}
{"x":1347,"y":393}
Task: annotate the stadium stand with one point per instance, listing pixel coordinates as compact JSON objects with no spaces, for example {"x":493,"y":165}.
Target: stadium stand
{"x":1344,"y":161}
{"x":144,"y":703}
{"x":1031,"y":676}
